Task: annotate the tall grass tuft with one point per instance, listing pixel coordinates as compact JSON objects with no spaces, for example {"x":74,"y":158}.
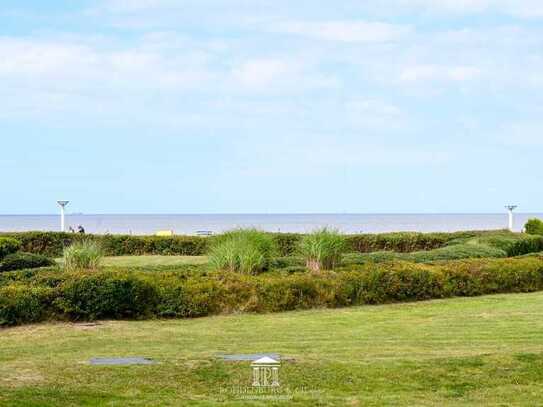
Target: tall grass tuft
{"x":84,"y":255}
{"x":247,"y":251}
{"x":322,"y":249}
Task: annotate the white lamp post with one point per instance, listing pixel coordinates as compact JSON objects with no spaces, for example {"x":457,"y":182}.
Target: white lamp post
{"x":510,"y":209}
{"x":62,"y":205}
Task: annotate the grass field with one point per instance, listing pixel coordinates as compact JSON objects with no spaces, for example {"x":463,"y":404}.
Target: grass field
{"x":457,"y":352}
{"x":150,"y":261}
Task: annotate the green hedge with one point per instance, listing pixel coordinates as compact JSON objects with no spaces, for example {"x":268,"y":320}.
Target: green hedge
{"x":8,"y":245}
{"x":52,"y":243}
{"x":30,"y":296}
{"x":19,"y":261}
{"x":21,"y":304}
{"x":453,"y":252}
{"x":534,"y":227}
{"x":514,"y":244}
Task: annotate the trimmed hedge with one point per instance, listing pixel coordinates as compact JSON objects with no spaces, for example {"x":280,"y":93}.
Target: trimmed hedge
{"x":452,"y":252}
{"x":52,"y":243}
{"x":106,"y":295}
{"x":19,"y":261}
{"x":33,"y":296}
{"x":514,"y":244}
{"x":20,"y":304}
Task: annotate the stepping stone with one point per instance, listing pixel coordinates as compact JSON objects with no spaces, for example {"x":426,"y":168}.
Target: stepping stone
{"x":121,"y":361}
{"x":249,"y":357}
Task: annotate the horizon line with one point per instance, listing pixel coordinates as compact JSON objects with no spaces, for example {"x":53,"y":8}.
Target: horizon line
{"x":265,"y":213}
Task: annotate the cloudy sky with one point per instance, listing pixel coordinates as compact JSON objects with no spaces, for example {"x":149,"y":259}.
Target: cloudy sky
{"x":199,"y":106}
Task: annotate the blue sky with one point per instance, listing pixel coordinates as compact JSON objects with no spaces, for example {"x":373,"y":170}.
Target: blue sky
{"x":234,"y":106}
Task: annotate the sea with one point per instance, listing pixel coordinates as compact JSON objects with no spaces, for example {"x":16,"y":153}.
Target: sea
{"x":217,"y":223}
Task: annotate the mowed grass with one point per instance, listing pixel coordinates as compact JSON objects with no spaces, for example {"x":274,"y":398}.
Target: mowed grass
{"x":149,"y":261}
{"x":457,"y":352}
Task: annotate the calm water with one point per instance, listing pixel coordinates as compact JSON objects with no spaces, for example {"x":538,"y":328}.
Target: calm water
{"x":190,"y":224}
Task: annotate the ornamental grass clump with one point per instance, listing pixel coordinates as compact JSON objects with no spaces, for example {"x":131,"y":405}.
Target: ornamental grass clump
{"x":84,"y":255}
{"x":247,"y":251}
{"x":322,"y":249}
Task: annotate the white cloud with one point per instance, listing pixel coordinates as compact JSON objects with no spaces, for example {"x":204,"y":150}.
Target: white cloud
{"x":263,"y":72}
{"x":416,"y":73}
{"x":526,"y":9}
{"x":528,"y":134}
{"x":42,"y":64}
{"x":137,"y":5}
{"x":346,"y":31}
{"x":278,"y":75}
{"x":517,"y":8}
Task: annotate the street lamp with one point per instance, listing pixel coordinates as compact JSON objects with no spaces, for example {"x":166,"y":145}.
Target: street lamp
{"x":62,"y":205}
{"x":510,"y":209}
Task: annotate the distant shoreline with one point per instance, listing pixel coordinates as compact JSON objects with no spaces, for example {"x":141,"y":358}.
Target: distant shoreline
{"x":187,"y":224}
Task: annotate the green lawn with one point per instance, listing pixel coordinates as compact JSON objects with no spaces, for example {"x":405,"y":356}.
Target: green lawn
{"x":142,"y":261}
{"x":467,"y":351}
{"x":150,"y":261}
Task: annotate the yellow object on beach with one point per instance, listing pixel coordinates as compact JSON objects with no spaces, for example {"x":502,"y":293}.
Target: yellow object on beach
{"x":164,"y":233}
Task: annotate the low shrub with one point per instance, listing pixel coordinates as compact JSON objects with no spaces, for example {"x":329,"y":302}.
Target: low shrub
{"x":29,"y":296}
{"x":246,"y":251}
{"x":285,"y":262}
{"x":404,"y":242}
{"x":375,"y":257}
{"x":52,"y":244}
{"x":534,"y":227}
{"x":23,"y":304}
{"x":19,"y":261}
{"x":84,"y":255}
{"x":322,"y":249}
{"x":106,"y":295}
{"x":8,"y":246}
{"x":287,"y":243}
{"x":453,"y":252}
{"x":456,"y":252}
{"x":513,"y":244}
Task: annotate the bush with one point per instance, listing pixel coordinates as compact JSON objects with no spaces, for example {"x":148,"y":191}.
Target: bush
{"x":514,"y":244}
{"x":287,"y":243}
{"x":453,"y":252}
{"x":456,"y":252}
{"x":96,"y":296}
{"x":244,"y":251}
{"x":534,"y":227}
{"x":19,"y":261}
{"x":285,"y":262}
{"x":322,"y":249}
{"x":52,"y":244}
{"x":84,"y":255}
{"x":23,"y":304}
{"x":403,"y":242}
{"x":8,"y":246}
{"x":29,"y":297}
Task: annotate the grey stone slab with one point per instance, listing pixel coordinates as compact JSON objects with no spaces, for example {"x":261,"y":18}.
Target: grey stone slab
{"x":249,"y":357}
{"x":121,"y":361}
